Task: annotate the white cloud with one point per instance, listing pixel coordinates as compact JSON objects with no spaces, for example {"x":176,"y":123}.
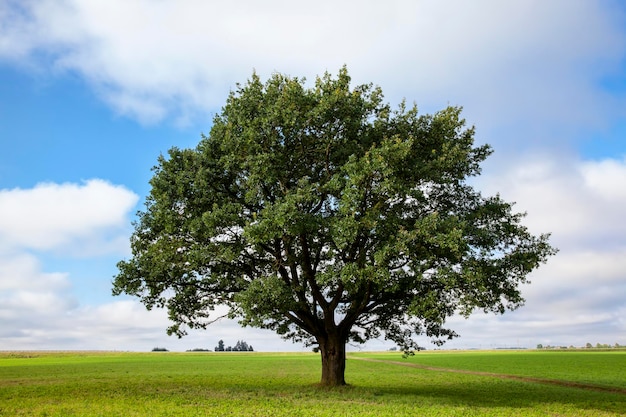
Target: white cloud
{"x":580,"y":202}
{"x":521,"y":64}
{"x":16,"y":266}
{"x":606,"y":178}
{"x":87,"y":218}
{"x":28,"y":295}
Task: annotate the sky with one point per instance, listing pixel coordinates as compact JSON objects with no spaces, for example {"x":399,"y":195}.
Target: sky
{"x":92,"y":92}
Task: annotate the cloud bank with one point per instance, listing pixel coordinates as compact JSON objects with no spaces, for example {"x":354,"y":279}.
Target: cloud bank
{"x":521,"y":64}
{"x":69,"y":220}
{"x":81,"y":219}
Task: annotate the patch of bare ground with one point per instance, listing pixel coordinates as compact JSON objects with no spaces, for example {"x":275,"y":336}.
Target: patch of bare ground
{"x":570,"y":384}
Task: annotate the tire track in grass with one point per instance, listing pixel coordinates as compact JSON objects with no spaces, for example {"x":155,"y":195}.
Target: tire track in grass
{"x":558,"y":382}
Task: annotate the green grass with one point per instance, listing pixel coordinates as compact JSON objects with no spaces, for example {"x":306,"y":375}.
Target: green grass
{"x":603,"y":368}
{"x":256,"y":384}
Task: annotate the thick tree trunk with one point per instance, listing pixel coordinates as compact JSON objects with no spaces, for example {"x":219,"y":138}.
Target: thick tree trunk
{"x":333,"y":352}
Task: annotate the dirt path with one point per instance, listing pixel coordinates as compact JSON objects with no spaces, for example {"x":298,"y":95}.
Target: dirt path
{"x":570,"y":384}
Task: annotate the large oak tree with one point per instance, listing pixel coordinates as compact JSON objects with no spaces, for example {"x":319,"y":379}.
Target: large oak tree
{"x":329,"y":217}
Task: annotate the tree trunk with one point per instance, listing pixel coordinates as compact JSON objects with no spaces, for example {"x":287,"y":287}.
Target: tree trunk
{"x":333,"y":351}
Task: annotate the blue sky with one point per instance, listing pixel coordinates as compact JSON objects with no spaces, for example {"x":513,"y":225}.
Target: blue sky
{"x":92,"y":92}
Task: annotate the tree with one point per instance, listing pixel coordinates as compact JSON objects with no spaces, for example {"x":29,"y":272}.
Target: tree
{"x":220,"y":346}
{"x":241,"y":346}
{"x":159,"y":349}
{"x":329,"y":217}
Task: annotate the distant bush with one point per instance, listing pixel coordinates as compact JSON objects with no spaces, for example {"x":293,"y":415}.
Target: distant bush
{"x":199,"y":350}
{"x":159,"y":349}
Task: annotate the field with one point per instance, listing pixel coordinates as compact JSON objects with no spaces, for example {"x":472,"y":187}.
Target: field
{"x":502,"y":383}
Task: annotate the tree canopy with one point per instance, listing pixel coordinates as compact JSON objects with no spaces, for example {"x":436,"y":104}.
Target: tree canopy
{"x":328,"y":216}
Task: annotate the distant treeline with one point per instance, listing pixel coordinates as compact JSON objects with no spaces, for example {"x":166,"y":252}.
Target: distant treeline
{"x":587,"y":346}
{"x":240,"y":346}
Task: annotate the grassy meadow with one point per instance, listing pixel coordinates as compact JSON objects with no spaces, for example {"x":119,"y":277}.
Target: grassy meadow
{"x":258,"y":384}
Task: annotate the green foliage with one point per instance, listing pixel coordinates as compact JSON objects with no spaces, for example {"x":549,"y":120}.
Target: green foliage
{"x":327,"y":216}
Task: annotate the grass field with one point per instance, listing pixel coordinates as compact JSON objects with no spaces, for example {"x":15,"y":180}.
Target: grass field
{"x":257,"y":384}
